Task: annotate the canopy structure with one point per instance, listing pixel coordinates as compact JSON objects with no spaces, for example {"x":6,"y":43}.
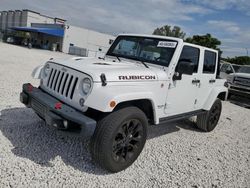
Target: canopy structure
{"x":49,"y":31}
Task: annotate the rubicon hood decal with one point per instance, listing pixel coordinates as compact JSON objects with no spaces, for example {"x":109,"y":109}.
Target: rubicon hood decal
{"x":140,"y":77}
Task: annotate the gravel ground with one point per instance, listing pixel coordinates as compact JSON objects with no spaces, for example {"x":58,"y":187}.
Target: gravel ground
{"x":175,"y":155}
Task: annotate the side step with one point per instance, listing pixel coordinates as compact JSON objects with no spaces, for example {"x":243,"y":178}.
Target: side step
{"x":181,"y":116}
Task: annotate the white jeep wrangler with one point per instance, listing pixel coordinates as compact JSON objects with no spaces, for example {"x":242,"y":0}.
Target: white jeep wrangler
{"x":141,"y":81}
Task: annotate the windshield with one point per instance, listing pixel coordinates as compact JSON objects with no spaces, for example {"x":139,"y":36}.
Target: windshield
{"x":244,"y":69}
{"x":236,"y":68}
{"x":151,"y":50}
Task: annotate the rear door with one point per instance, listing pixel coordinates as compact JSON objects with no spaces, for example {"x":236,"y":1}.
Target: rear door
{"x":207,"y":76}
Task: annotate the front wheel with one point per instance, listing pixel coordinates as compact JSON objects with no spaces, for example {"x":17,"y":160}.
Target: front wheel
{"x":208,"y":121}
{"x":119,"y":139}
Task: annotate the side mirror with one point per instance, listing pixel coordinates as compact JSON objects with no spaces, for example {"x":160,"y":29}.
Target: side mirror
{"x":185,"y":66}
{"x":229,"y":71}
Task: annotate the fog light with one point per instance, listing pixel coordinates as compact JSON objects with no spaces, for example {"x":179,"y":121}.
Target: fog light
{"x":81,"y":102}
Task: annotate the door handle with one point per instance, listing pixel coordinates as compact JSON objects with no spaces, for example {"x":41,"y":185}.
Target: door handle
{"x":195,"y":81}
{"x":212,"y":81}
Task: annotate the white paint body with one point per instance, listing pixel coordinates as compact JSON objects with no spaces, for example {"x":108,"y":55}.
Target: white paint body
{"x":167,"y":97}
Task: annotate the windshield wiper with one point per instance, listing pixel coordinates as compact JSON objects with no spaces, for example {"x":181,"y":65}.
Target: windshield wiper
{"x":139,"y":60}
{"x":103,"y":58}
{"x":118,"y":58}
{"x":143,"y":63}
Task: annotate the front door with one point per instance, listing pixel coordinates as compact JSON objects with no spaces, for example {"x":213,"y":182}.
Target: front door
{"x":182,"y":95}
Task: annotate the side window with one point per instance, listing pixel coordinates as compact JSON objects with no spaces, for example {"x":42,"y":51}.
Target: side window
{"x":224,"y":68}
{"x":229,"y":70}
{"x":209,"y":62}
{"x":192,"y":54}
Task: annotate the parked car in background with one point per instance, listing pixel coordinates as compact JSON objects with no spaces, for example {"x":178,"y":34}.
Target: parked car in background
{"x":238,"y":81}
{"x":10,"y":40}
{"x":227,"y":69}
{"x":15,"y":40}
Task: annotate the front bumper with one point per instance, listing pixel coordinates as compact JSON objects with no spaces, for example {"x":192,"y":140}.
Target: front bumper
{"x":53,"y":111}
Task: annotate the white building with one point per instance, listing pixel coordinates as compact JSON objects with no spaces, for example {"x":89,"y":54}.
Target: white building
{"x":54,"y":33}
{"x":94,"y":42}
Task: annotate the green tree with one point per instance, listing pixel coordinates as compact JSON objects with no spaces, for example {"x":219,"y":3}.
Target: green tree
{"x":240,"y":60}
{"x":167,"y":30}
{"x":205,"y":40}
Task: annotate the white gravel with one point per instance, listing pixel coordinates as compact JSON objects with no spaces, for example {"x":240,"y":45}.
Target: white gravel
{"x":175,"y":155}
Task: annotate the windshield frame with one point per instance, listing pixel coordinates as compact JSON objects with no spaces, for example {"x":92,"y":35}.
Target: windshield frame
{"x":118,"y":39}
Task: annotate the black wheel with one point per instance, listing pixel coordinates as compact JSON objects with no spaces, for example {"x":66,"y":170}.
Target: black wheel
{"x":208,"y":121}
{"x":119,"y":139}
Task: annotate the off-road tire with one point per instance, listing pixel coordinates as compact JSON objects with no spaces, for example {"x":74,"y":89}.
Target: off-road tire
{"x":208,"y":120}
{"x":109,"y":137}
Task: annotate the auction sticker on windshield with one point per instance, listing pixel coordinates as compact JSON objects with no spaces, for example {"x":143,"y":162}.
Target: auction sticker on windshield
{"x":165,"y":44}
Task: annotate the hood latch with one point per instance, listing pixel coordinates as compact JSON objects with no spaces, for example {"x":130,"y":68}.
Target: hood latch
{"x":103,"y":79}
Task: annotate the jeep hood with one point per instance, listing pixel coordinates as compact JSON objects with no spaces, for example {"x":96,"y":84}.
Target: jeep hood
{"x":244,"y":75}
{"x":114,"y":70}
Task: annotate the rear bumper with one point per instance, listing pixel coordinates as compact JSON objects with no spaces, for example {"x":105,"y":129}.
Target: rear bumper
{"x":53,"y":111}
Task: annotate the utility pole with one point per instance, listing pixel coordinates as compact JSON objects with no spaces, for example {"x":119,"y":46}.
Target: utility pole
{"x":247,"y":51}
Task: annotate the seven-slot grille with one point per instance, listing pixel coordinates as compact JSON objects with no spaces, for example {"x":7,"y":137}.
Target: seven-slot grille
{"x":242,"y":81}
{"x":62,"y":82}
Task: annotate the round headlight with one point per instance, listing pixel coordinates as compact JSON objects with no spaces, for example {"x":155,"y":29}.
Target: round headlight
{"x":46,"y":69}
{"x":86,"y":85}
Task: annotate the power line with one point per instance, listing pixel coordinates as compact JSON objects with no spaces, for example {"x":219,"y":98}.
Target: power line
{"x":247,"y":51}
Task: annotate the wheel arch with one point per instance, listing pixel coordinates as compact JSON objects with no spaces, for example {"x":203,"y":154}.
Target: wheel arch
{"x":36,"y":73}
{"x":217,"y":92}
{"x":145,"y":105}
{"x":222,"y":95}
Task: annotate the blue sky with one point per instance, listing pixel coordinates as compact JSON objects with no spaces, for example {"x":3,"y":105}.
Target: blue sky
{"x":228,"y":20}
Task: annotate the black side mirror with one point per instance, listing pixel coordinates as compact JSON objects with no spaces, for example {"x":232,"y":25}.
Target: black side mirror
{"x":185,"y":66}
{"x":229,"y":71}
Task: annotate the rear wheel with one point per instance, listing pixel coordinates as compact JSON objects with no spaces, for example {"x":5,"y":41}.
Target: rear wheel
{"x":208,"y":121}
{"x":119,"y":139}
